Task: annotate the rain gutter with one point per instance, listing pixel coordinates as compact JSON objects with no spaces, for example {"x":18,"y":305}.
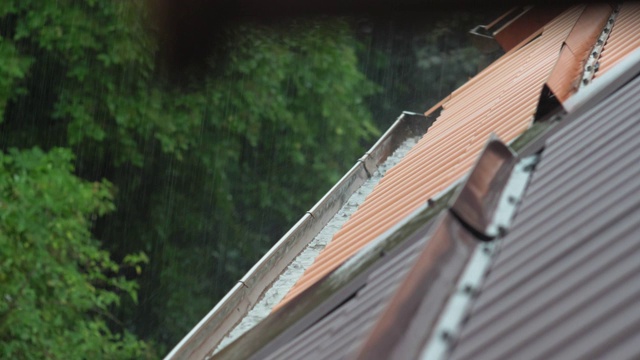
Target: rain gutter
{"x":245,"y":294}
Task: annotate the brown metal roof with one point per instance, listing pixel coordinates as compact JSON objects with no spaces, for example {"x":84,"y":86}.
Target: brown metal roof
{"x":624,"y":37}
{"x":501,"y":99}
{"x":565,"y":284}
{"x":341,"y":333}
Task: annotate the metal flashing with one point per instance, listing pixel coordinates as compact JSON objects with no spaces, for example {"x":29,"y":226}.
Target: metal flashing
{"x":479,"y":195}
{"x":414,"y":311}
{"x":511,"y":196}
{"x":452,"y":317}
{"x":406,"y":322}
{"x":510,"y":31}
{"x":592,"y":65}
{"x":484,"y":39}
{"x":564,"y":284}
{"x":565,"y":78}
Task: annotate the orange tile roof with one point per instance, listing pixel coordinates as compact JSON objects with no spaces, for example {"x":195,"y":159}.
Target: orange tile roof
{"x":501,"y":99}
{"x":624,"y":37}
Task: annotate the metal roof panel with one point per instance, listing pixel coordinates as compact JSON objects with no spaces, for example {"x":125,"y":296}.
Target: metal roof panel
{"x":564,"y":284}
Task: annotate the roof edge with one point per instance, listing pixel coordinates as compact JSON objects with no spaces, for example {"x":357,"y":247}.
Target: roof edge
{"x":206,"y":335}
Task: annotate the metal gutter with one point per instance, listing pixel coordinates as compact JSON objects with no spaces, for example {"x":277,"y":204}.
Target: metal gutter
{"x":274,"y":295}
{"x":229,"y":311}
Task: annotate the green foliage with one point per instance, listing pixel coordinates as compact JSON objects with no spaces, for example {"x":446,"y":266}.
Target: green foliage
{"x":277,"y":129}
{"x":57,"y":285}
{"x":206,"y":176}
{"x":13,"y":68}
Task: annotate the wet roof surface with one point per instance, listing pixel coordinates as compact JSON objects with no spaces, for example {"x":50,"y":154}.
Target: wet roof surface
{"x":565,"y":282}
{"x":501,"y":99}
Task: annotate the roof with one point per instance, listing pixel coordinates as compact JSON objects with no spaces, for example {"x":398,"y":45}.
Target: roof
{"x":402,"y":279}
{"x":565,"y":284}
{"x":502,"y":99}
{"x":340,"y":333}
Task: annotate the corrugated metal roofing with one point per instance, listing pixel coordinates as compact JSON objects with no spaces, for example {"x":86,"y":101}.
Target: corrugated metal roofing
{"x":565,"y":283}
{"x":624,"y":37}
{"x":501,"y":99}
